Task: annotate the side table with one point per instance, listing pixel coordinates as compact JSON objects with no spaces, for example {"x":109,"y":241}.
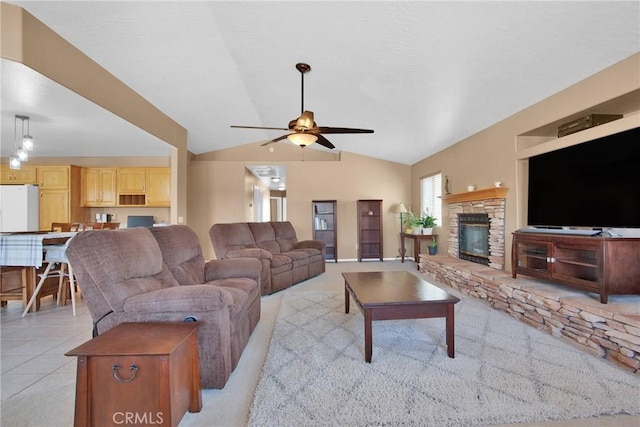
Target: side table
{"x":138,"y":373}
{"x":417,"y":239}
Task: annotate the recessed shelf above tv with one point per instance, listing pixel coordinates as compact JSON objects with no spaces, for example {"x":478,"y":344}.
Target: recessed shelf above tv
{"x":626,"y":104}
{"x":529,"y":146}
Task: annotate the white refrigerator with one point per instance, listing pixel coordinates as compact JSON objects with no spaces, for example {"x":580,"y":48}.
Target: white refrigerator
{"x":19,"y":209}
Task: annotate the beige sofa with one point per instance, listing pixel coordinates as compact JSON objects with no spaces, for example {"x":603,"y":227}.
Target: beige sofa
{"x":285,"y":260}
{"x":159,"y":274}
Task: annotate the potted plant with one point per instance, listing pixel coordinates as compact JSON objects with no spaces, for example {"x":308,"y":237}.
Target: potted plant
{"x":434,"y":246}
{"x":427,"y":222}
{"x":416,"y":223}
{"x":412,"y":223}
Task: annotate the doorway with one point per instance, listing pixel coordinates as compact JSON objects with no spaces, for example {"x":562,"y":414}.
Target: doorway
{"x":269,"y":198}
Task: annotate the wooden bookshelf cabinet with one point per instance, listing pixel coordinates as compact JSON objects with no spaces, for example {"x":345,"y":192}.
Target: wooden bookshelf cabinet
{"x":370,"y":229}
{"x":603,"y":265}
{"x":325,"y":226}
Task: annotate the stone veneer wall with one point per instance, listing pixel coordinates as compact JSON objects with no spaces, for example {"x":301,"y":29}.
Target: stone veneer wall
{"x":563,"y":312}
{"x":495,"y":209}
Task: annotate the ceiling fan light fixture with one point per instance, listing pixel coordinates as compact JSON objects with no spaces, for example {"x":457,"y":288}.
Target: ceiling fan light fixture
{"x":302,"y":139}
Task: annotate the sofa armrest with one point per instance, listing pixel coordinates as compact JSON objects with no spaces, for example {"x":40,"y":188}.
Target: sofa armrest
{"x":313,"y":244}
{"x":193,"y":298}
{"x":249,"y":253}
{"x":231,"y":268}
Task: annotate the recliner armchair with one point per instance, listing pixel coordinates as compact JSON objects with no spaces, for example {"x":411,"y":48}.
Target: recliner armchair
{"x":134,"y":275}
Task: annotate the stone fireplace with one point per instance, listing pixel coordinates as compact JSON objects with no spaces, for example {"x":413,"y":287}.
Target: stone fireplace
{"x":473,"y":237}
{"x":480,"y":214}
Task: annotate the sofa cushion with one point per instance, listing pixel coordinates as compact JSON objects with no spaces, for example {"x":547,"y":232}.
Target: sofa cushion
{"x":265,"y":236}
{"x":246,"y":285}
{"x":189,"y":299}
{"x":134,"y":251}
{"x":285,"y":235}
{"x":229,"y":237}
{"x":181,"y":253}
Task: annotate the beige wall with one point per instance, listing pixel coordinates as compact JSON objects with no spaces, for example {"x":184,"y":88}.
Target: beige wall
{"x":496,"y":154}
{"x":218,"y":193}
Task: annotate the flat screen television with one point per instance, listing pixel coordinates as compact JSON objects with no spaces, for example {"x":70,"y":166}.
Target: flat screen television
{"x":594,"y":184}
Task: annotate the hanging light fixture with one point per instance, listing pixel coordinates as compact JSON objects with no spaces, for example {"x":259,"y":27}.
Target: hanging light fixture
{"x":21,"y":153}
{"x":302,"y":139}
{"x":27,"y":140}
{"x":15,"y":162}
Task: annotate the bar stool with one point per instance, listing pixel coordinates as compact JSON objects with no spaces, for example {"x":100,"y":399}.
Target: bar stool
{"x":56,"y":254}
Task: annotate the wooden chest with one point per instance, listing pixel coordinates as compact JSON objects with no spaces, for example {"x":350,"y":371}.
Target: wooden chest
{"x":138,"y":374}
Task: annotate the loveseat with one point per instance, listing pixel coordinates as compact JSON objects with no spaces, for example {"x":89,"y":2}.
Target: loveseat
{"x":159,"y":274}
{"x":285,"y":260}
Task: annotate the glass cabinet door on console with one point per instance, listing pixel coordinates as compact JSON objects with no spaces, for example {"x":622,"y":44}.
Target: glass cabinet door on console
{"x":579,"y":263}
{"x":325,"y":226}
{"x":533,"y":257}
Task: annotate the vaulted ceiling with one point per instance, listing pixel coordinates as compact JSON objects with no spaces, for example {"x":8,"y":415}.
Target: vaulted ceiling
{"x":423,"y":75}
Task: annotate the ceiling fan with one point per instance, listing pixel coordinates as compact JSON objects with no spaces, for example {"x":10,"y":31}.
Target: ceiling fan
{"x":304,"y":130}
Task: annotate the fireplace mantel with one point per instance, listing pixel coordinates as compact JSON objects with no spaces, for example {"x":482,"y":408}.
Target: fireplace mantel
{"x":471,"y":196}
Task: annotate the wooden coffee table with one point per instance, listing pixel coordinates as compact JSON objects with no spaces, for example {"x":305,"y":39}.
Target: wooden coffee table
{"x":393,"y":295}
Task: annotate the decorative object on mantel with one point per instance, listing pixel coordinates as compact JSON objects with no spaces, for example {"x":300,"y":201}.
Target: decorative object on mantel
{"x":497,"y":184}
{"x":447,"y":189}
{"x":471,"y":188}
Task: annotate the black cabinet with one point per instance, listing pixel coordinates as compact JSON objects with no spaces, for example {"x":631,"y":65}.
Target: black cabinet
{"x":325,"y":226}
{"x":369,"y":229}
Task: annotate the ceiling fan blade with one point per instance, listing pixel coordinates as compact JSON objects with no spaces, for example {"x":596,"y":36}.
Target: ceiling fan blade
{"x":324,"y":142}
{"x":256,"y":127}
{"x":280,"y":138}
{"x":328,"y":130}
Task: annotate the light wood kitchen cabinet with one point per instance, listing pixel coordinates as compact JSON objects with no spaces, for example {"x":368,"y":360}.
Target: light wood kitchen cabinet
{"x":54,"y":177}
{"x":54,"y":207}
{"x":159,"y":187}
{"x":98,"y":187}
{"x":27,"y":174}
{"x":132,"y":181}
{"x":59,"y":195}
{"x":144,"y":187}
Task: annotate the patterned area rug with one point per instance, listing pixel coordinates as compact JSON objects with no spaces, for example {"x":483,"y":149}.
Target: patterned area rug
{"x":504,"y":371}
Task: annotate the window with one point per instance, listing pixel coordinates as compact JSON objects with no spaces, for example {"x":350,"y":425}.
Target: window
{"x":430,"y":192}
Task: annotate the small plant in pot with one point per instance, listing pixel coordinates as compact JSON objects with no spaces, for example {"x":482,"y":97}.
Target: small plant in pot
{"x":434,"y":246}
{"x":412,"y":224}
{"x":428,"y":222}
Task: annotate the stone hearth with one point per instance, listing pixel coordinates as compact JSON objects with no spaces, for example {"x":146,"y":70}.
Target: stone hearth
{"x":610,"y":331}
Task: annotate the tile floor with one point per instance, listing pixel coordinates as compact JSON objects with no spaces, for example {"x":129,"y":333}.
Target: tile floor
{"x":33,"y":347}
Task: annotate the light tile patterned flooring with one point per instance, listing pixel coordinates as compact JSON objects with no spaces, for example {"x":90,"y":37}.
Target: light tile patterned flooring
{"x":33,"y":347}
